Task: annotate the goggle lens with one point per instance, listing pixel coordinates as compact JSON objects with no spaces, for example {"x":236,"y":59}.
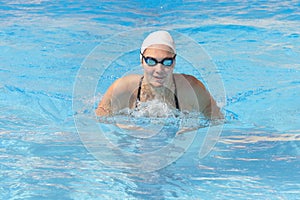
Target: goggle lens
{"x":167,"y":62}
{"x":150,"y":61}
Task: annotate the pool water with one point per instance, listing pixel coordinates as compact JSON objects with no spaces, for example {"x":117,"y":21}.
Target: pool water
{"x":254,"y":46}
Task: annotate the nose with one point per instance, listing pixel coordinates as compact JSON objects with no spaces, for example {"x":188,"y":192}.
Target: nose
{"x":159,"y":68}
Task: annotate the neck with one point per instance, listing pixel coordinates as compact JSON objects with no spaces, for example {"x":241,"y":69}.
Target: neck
{"x":165,"y":93}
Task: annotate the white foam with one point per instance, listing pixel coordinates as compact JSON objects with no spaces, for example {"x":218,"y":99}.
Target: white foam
{"x":153,"y":108}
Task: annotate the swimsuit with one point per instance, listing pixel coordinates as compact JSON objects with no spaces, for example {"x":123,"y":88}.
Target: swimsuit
{"x":140,"y":88}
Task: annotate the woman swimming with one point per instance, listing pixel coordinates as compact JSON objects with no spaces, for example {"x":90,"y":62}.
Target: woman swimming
{"x":179,"y":91}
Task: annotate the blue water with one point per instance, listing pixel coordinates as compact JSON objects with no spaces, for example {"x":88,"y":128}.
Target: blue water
{"x":254,"y":46}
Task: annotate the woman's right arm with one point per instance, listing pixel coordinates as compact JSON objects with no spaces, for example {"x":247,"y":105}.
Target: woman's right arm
{"x":105,"y":105}
{"x":118,"y":95}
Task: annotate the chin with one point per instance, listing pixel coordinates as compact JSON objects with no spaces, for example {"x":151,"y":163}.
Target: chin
{"x":156,"y":84}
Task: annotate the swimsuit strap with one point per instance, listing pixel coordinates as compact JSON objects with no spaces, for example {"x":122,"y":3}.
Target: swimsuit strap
{"x":175,"y":95}
{"x":138,"y":98}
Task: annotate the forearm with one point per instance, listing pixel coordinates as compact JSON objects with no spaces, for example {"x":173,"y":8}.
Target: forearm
{"x":212,"y":111}
{"x":103,"y":110}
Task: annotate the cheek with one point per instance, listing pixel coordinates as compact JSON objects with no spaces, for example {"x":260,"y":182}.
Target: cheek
{"x":169,"y":70}
{"x":148,"y":70}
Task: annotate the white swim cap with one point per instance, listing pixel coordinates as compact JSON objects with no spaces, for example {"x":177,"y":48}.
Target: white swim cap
{"x":158,"y":37}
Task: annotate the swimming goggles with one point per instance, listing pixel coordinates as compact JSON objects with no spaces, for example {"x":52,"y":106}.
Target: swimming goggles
{"x":168,"y":62}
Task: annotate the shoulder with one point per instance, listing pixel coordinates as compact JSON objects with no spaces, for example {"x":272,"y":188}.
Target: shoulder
{"x":127,"y":80}
{"x":131,"y":78}
{"x":126,"y":83}
{"x":190,"y":80}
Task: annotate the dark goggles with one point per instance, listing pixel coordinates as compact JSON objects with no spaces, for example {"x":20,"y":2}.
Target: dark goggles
{"x":168,"y":62}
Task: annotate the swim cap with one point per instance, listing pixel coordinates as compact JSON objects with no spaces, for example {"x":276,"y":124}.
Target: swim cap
{"x":158,"y":37}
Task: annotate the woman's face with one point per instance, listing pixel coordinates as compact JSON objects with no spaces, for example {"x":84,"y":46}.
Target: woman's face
{"x":158,"y":75}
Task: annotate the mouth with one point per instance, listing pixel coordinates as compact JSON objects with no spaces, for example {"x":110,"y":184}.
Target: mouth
{"x":159,"y":79}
